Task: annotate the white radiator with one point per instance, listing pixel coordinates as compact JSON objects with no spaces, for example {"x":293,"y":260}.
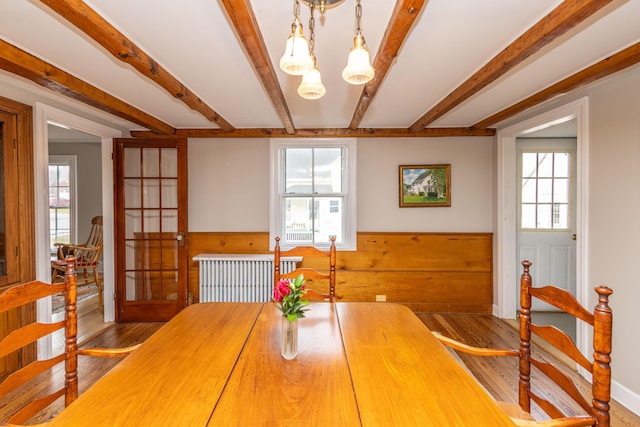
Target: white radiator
{"x":239,"y":278}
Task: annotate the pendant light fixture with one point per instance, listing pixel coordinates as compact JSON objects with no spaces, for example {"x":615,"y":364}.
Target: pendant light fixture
{"x":296,"y":59}
{"x":299,"y":59}
{"x":311,"y":86}
{"x":358,"y":70}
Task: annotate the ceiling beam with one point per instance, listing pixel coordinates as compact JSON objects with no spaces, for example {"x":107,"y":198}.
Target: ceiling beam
{"x":19,"y":62}
{"x":616,"y":62}
{"x":322,"y":133}
{"x":563,"y":18}
{"x":100,"y":30}
{"x":244,"y":22}
{"x":402,"y":19}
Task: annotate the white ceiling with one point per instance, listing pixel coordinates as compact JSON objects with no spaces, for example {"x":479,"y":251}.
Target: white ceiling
{"x":195,"y":41}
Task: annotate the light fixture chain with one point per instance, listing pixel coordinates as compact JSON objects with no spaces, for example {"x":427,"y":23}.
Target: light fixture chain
{"x":312,"y":32}
{"x":296,"y":9}
{"x":358,"y":16}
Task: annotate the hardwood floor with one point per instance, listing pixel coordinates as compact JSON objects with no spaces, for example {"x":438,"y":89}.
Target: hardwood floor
{"x":497,"y":375}
{"x":90,"y":323}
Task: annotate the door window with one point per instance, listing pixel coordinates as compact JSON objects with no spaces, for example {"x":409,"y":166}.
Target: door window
{"x":545,"y":190}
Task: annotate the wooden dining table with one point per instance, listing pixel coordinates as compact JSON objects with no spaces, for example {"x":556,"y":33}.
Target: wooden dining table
{"x":219,"y":364}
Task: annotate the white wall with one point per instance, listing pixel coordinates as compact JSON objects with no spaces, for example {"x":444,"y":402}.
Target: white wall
{"x":614,"y":219}
{"x":229,"y":184}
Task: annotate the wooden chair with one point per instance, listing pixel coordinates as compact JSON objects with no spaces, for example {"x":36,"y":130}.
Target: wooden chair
{"x":310,"y":274}
{"x":597,"y":411}
{"x":87,"y":257}
{"x":28,"y":293}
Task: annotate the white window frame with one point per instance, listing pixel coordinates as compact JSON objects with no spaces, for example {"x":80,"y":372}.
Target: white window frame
{"x":277,"y":184}
{"x":71,"y":161}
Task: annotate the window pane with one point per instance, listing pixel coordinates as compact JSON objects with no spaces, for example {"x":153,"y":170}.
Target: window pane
{"x":544,"y":191}
{"x":298,"y":171}
{"x":328,"y":219}
{"x":561,"y":216}
{"x":528,"y":219}
{"x":544,"y":216}
{"x":529,"y":161}
{"x":150,"y":193}
{"x":298,"y":220}
{"x":169,"y":193}
{"x":561,"y":190}
{"x":53,"y":174}
{"x":528,"y":191}
{"x":132,"y":162}
{"x":169,"y":162}
{"x":151,"y":162}
{"x":132,"y":193}
{"x":545,"y":164}
{"x":328,"y":170}
{"x":561,"y":165}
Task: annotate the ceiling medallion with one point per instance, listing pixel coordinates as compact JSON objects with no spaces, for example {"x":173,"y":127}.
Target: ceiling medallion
{"x":322,"y":4}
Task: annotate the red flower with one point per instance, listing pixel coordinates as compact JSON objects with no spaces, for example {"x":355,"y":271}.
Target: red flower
{"x":281,"y":290}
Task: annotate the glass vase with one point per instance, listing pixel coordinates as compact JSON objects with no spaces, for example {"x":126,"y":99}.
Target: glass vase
{"x":289,"y":349}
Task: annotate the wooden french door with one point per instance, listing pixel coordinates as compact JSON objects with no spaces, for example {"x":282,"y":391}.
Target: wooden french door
{"x":150,"y":226}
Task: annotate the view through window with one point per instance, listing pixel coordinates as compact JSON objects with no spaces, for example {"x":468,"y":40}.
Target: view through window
{"x":313,"y":192}
{"x":61,"y":189}
{"x":545,"y":190}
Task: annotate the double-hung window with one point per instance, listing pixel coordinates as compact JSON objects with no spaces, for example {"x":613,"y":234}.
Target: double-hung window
{"x":62,"y":183}
{"x":313,"y":192}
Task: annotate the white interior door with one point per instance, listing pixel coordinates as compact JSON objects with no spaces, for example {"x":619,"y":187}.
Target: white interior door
{"x":546,"y":212}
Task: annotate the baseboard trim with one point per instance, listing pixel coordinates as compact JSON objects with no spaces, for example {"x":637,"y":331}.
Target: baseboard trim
{"x":626,"y":397}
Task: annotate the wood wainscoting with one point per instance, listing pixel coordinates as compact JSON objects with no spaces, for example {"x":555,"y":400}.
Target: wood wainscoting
{"x":428,"y":272}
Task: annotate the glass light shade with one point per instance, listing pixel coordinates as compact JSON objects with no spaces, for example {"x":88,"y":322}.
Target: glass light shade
{"x":296,"y":59}
{"x":311,"y":86}
{"x":358,"y":70}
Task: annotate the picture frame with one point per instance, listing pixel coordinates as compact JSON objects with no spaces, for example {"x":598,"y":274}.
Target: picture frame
{"x":423,"y":186}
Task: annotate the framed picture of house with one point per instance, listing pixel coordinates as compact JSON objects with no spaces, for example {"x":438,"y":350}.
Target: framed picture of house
{"x":425,"y":186}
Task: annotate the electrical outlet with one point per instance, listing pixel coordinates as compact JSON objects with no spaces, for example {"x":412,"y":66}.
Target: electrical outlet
{"x":381,"y":297}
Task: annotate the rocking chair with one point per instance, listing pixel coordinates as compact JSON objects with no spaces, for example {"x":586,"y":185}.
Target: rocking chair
{"x":87,"y":257}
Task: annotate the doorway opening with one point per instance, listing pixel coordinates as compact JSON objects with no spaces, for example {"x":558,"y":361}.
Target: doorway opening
{"x":507,"y":254}
{"x":102,"y":136}
{"x":546,"y":214}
